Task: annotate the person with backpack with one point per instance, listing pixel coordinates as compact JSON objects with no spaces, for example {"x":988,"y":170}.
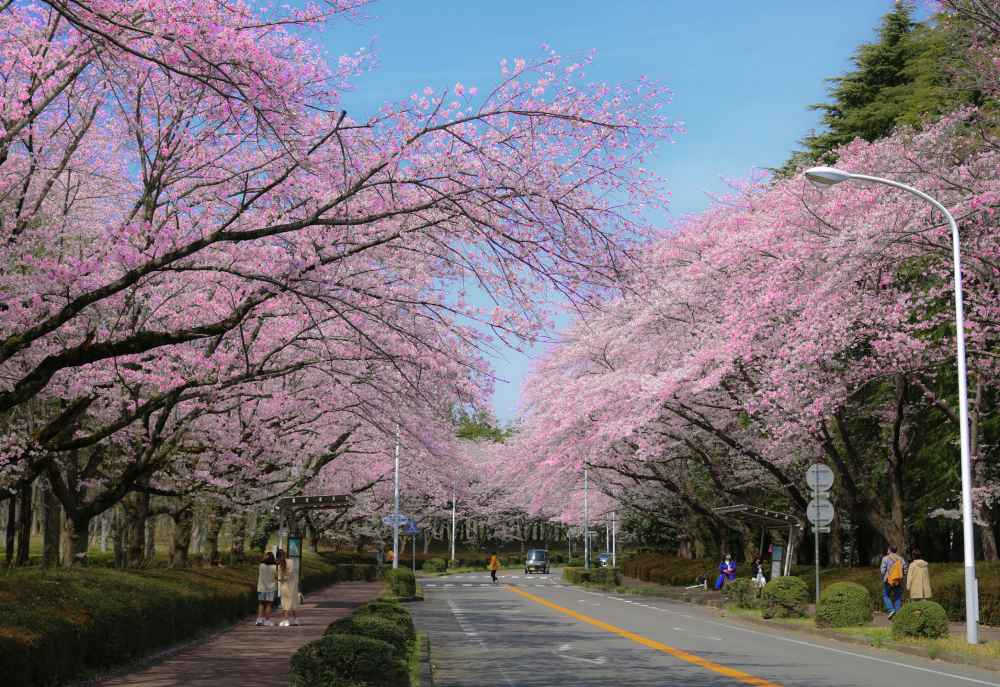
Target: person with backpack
{"x":893,"y":570}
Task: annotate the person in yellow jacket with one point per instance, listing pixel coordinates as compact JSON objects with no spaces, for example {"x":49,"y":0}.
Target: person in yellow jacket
{"x":918,"y":578}
{"x":494,"y":566}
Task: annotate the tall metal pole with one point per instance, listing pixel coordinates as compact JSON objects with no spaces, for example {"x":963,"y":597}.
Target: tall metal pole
{"x":968,"y":531}
{"x":614,"y":548}
{"x":453,"y":521}
{"x":395,"y":507}
{"x":816,"y":531}
{"x":414,"y":554}
{"x":586,"y":523}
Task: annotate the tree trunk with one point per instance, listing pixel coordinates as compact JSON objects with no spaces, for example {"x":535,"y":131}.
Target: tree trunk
{"x":11,"y":529}
{"x":136,"y":513}
{"x":51,"y":525}
{"x":24,"y":526}
{"x":75,"y":537}
{"x":238,"y":526}
{"x":150,"y":542}
{"x":183,"y":525}
{"x":836,"y":541}
{"x":212,"y":537}
{"x":119,"y":536}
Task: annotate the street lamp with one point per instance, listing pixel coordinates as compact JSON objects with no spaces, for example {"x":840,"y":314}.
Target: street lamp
{"x":828,"y":176}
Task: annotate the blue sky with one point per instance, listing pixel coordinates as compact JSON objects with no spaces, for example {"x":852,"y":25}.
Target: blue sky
{"x":742,"y":73}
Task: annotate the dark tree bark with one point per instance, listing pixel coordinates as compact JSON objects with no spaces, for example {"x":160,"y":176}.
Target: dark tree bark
{"x":214,"y":527}
{"x":183,"y":527}
{"x":51,"y":525}
{"x":238,"y":527}
{"x":75,"y":537}
{"x":136,"y":514}
{"x":11,"y":529}
{"x":24,"y":525}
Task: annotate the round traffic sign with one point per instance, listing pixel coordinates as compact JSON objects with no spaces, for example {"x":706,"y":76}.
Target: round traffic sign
{"x":820,"y":511}
{"x":819,"y":477}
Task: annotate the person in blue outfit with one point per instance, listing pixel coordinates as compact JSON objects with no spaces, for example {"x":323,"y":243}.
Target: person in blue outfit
{"x":727,"y":572}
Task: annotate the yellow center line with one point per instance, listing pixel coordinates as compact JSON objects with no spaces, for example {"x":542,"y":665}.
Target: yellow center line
{"x":745,"y":678}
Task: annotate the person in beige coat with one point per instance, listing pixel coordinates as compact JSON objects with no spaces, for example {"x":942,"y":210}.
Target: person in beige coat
{"x":288,"y":586}
{"x":918,"y":578}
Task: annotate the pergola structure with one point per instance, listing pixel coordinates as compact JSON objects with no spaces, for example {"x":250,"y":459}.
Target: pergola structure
{"x":289,"y":506}
{"x":770,"y":519}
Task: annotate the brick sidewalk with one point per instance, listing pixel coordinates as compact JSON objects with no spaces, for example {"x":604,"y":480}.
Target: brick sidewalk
{"x":251,"y":656}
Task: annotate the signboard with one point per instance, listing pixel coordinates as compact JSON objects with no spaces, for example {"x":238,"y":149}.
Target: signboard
{"x":819,"y":478}
{"x":777,"y":558}
{"x":295,"y":547}
{"x":820,"y":511}
{"x":411,"y":528}
{"x":403,"y":521}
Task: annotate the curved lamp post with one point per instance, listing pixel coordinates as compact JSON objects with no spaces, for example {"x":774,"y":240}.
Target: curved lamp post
{"x":828,"y":176}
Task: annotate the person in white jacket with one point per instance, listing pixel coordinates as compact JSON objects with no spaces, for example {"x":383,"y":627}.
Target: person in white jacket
{"x":267,"y":588}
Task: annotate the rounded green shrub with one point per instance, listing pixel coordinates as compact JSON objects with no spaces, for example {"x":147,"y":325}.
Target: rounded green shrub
{"x":336,"y":660}
{"x":843,"y":604}
{"x":435,"y":565}
{"x":401,"y":582}
{"x":744,"y":592}
{"x":392,"y":611}
{"x":920,"y":619}
{"x":784,"y":597}
{"x":373,"y":626}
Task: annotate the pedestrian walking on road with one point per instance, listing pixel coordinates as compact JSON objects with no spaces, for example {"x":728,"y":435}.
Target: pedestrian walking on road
{"x":918,"y":578}
{"x":893,"y":570}
{"x":267,"y":589}
{"x":288,"y":584}
{"x":494,"y":566}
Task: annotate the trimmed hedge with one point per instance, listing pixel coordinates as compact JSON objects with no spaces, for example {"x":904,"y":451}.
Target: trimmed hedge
{"x":347,"y":661}
{"x":784,"y":597}
{"x":368,"y":648}
{"x":744,"y":592}
{"x":373,"y":626}
{"x":920,"y":619}
{"x":58,"y":624}
{"x":843,"y":604}
{"x":401,"y":582}
{"x":435,"y":565}
{"x":669,"y":570}
{"x":603,"y":576}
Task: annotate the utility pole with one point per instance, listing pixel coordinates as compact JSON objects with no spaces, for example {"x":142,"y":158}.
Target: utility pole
{"x":614,"y":562}
{"x":586,"y":522}
{"x":453,"y":521}
{"x":395,"y":507}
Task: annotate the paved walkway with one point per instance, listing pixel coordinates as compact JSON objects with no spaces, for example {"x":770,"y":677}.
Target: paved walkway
{"x":250,"y":656}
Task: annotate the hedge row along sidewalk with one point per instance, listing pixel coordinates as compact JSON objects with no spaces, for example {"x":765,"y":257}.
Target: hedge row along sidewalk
{"x":57,"y":625}
{"x":376,"y":646}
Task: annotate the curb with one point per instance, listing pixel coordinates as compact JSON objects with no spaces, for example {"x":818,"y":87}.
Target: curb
{"x":920,"y":652}
{"x":426,"y":667}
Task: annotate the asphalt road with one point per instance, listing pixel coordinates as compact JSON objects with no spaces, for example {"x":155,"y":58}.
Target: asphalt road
{"x":533,"y":630}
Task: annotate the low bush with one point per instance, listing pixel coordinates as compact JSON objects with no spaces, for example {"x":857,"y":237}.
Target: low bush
{"x":843,"y":604}
{"x":373,"y":626}
{"x":669,"y":570}
{"x":607,"y":576}
{"x":920,"y":619}
{"x":435,"y":565}
{"x":744,"y":592}
{"x":576,"y":575}
{"x":58,"y":624}
{"x":401,"y":583}
{"x":391,"y":609}
{"x":338,"y":660}
{"x":784,"y":597}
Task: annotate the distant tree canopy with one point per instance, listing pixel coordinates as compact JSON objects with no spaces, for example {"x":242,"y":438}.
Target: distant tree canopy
{"x":905,"y":77}
{"x":478,"y":425}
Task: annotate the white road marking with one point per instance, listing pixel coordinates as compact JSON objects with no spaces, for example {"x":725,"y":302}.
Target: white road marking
{"x":599,"y":661}
{"x":853,"y":654}
{"x":684,"y":630}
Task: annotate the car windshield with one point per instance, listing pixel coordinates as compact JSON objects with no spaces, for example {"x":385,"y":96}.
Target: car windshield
{"x":536,"y":555}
